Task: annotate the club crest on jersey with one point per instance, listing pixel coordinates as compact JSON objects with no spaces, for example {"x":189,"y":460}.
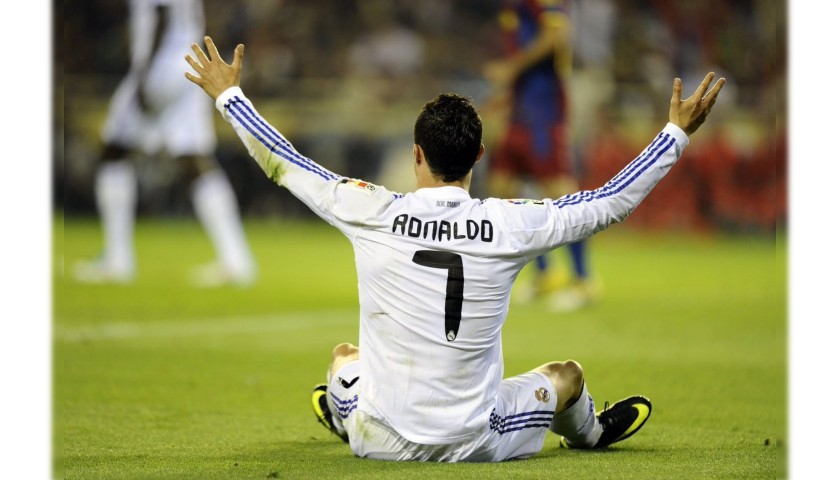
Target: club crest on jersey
{"x":369,"y":187}
{"x":524,"y":201}
{"x":542,"y":395}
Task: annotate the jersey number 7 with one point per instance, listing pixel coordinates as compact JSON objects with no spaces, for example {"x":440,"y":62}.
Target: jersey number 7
{"x":454,"y":267}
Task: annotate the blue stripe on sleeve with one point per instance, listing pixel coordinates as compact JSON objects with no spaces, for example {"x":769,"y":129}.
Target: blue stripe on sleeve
{"x":638,"y":161}
{"x":627,"y":170}
{"x":641,"y":164}
{"x":264,"y":133}
{"x":273,"y":134}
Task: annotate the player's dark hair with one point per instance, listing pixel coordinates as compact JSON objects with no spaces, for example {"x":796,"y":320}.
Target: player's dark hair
{"x":448,"y":130}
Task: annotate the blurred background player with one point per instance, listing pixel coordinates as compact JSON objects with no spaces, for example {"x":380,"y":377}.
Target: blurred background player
{"x":532,"y":82}
{"x":154,"y":111}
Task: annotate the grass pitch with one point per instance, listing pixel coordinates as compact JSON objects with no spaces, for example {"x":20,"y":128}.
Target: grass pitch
{"x":160,"y":380}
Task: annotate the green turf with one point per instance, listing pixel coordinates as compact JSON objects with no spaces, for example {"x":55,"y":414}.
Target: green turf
{"x":160,"y":380}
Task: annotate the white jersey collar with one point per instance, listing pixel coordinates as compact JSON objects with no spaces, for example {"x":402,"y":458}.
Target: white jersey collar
{"x":442,"y":192}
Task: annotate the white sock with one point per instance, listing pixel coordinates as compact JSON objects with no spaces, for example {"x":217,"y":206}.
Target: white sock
{"x":215,"y":205}
{"x":336,"y":418}
{"x":115,"y":187}
{"x":578,"y":423}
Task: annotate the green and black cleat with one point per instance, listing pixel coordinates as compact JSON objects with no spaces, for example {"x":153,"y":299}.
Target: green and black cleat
{"x":322,"y":411}
{"x":620,"y":420}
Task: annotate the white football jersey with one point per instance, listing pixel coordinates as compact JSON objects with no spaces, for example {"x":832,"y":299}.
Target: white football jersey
{"x":435,"y":271}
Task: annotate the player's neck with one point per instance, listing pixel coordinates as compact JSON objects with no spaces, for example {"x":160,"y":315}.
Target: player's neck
{"x":427,"y":180}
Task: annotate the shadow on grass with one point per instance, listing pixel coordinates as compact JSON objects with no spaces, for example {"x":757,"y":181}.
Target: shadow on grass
{"x":303,"y":459}
{"x":329,"y":458}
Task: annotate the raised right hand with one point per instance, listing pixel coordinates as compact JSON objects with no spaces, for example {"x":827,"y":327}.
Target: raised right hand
{"x":690,"y":113}
{"x":214,"y":75}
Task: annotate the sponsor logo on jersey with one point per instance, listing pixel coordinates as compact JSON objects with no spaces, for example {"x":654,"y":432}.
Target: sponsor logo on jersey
{"x":542,"y":395}
{"x":369,"y":187}
{"x":524,"y":201}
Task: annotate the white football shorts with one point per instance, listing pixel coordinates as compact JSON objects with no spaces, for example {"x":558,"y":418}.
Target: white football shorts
{"x":515,"y":429}
{"x":181,"y":122}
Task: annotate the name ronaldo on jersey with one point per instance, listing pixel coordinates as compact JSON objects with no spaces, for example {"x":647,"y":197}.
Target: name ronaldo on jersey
{"x":441,"y":230}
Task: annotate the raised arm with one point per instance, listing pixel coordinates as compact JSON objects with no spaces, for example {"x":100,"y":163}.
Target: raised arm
{"x":337,"y":200}
{"x":274,"y":154}
{"x":579,"y":215}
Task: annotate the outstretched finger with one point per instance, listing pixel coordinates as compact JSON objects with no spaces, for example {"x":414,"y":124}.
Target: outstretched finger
{"x":238,"y":53}
{"x":716,"y":88}
{"x":711,"y":97}
{"x":193,"y":78}
{"x":704,"y":85}
{"x":199,"y":55}
{"x":211,"y":48}
{"x":194,"y":64}
{"x":676,"y":97}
